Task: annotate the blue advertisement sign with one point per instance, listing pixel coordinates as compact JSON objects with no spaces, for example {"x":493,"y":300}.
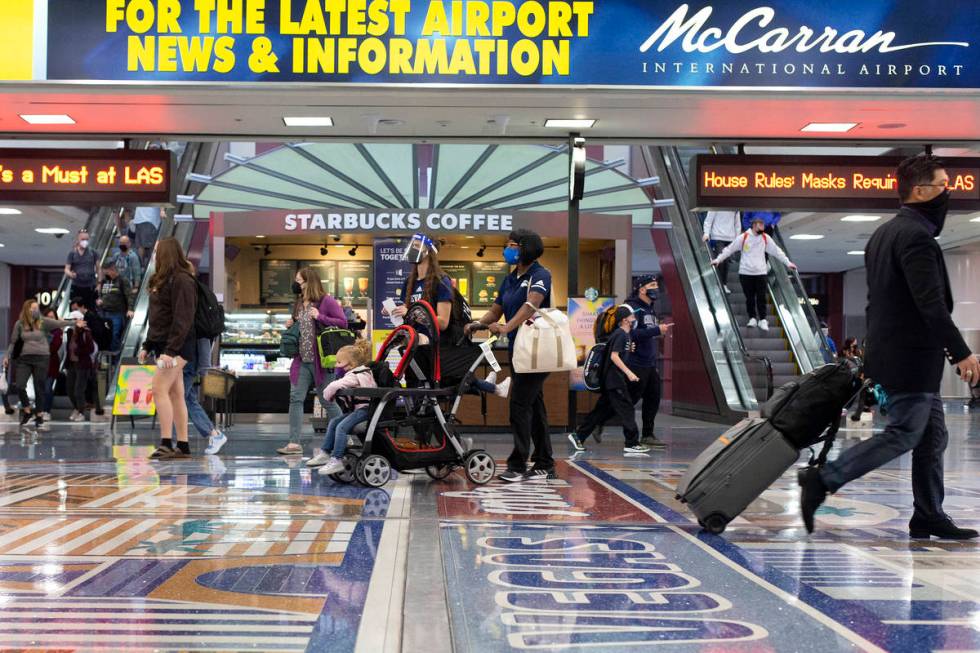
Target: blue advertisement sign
{"x":390,"y":276}
{"x":655,"y":43}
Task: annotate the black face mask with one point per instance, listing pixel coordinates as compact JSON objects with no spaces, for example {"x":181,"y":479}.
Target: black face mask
{"x":297,"y":289}
{"x":124,"y":248}
{"x":935,"y":210}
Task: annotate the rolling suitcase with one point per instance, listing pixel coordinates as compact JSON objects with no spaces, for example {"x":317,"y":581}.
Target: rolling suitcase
{"x":733,"y":471}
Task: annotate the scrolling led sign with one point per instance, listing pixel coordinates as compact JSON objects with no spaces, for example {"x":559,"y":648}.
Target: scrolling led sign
{"x":36,"y":176}
{"x":817,"y":182}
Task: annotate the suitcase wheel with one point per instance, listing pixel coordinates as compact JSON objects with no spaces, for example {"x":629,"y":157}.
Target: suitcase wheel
{"x":714,"y":523}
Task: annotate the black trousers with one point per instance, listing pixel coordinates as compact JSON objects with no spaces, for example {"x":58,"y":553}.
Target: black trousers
{"x":78,"y":384}
{"x":31,"y":367}
{"x":612,"y":403}
{"x":529,"y":421}
{"x":647,"y":390}
{"x":716,"y":249}
{"x":755,"y":288}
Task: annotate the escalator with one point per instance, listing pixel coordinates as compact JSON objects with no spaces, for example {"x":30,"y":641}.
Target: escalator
{"x":741,"y":365}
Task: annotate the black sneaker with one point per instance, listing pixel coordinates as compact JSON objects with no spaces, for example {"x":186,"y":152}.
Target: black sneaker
{"x":812,"y":494}
{"x":25,"y":416}
{"x":576,"y":443}
{"x":597,"y":435}
{"x":652,"y":441}
{"x":539,"y":474}
{"x":511,"y":477}
{"x":944,"y":530}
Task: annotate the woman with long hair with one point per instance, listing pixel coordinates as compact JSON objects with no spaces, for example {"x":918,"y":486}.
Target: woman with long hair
{"x":426,"y":280}
{"x":170,"y":340}
{"x":314,"y":309}
{"x":29,"y":350}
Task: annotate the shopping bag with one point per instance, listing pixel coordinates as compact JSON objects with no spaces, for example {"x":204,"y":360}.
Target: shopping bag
{"x":545,"y":344}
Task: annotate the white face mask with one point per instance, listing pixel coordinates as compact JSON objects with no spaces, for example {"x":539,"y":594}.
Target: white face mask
{"x":826,"y":332}
{"x":83,"y":244}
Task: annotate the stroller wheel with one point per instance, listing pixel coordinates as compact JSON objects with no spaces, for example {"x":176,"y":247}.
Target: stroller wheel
{"x":439,"y":472}
{"x":374,"y":471}
{"x":480,"y":467}
{"x":348,"y":475}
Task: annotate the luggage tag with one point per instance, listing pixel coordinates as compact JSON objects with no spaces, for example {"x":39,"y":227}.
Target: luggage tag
{"x":485,"y":346}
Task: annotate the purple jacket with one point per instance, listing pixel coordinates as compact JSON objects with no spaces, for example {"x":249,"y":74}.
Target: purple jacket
{"x":331,"y":314}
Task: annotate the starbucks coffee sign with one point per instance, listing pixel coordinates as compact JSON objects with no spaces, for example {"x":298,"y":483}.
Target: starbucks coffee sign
{"x":397,"y":221}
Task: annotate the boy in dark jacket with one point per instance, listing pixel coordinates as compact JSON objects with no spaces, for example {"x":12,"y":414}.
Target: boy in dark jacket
{"x":115,"y":297}
{"x":643,"y":360}
{"x":615,"y":400}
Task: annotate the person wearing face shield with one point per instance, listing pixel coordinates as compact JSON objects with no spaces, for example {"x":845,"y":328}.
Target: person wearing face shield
{"x":426,"y":281}
{"x":82,"y":268}
{"x":753,"y":268}
{"x":643,"y":359}
{"x":910,"y":333}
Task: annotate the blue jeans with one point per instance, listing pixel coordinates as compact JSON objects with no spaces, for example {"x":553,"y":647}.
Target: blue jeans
{"x":340,"y":427}
{"x":118,"y":320}
{"x":48,"y":395}
{"x":297,"y":396}
{"x":199,"y":417}
{"x":916,"y":423}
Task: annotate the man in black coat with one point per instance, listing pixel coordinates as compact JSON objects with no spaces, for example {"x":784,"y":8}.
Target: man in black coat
{"x":910,"y":334}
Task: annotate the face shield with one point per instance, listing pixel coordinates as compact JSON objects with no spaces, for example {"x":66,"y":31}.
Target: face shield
{"x":418,"y":248}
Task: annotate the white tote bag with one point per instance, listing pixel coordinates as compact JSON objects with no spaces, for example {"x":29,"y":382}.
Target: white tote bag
{"x":544,"y":345}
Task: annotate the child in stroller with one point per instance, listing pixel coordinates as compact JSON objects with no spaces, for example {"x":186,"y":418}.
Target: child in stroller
{"x":409,"y":428}
{"x":353,"y":360}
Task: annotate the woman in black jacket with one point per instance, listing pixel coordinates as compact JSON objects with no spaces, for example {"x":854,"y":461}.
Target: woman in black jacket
{"x":170,"y":340}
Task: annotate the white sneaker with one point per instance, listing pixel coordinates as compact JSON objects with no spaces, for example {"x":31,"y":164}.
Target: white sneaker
{"x":333,"y":466}
{"x":491,"y":378}
{"x":764,"y":325}
{"x":639,"y":448}
{"x":752,"y":323}
{"x":503,"y":388}
{"x":76,"y":416}
{"x":728,"y":291}
{"x":46,"y":417}
{"x":318,"y":460}
{"x":215,"y":442}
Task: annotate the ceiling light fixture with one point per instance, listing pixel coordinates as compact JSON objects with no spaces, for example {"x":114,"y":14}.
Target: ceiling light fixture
{"x":308,"y":121}
{"x":7,"y":211}
{"x":260,"y":236}
{"x":806,"y":237}
{"x":353,"y":250}
{"x":570,"y":123}
{"x":829,"y":127}
{"x":977,"y":219}
{"x":856,"y":252}
{"x":861,"y":218}
{"x":52,"y":231}
{"x":47,"y":119}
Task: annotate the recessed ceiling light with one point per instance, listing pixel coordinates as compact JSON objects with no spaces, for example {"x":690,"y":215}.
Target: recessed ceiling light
{"x":308,"y":121}
{"x":829,"y":127}
{"x":806,"y":237}
{"x":861,"y":218}
{"x":6,"y":211}
{"x":975,"y":219}
{"x":52,"y":231}
{"x":2,"y":245}
{"x":569,"y":123}
{"x":260,"y":236}
{"x":856,"y":252}
{"x":47,"y":119}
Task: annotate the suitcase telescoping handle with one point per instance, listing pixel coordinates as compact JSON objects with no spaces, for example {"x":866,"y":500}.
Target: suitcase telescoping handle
{"x":818,"y":460}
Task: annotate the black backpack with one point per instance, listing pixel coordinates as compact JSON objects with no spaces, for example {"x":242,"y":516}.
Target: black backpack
{"x":801,"y":410}
{"x":594,"y":367}
{"x":209,"y":317}
{"x":461,"y":316}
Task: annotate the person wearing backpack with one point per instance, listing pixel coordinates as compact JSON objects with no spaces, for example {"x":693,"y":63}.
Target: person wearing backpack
{"x":616,"y":400}
{"x":753,"y":268}
{"x":314,"y":309}
{"x":643,"y":359}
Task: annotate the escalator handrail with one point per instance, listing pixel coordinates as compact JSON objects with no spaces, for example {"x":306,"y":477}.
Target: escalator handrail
{"x":696,"y":246}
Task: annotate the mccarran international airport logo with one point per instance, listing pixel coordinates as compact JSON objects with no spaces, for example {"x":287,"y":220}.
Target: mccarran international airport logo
{"x":759,"y":32}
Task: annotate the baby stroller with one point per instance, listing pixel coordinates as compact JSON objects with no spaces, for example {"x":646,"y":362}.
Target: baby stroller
{"x":408,"y":428}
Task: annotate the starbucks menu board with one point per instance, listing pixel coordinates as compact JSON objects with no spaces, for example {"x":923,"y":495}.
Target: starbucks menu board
{"x":487,"y":277}
{"x":461,"y":275}
{"x":327,"y":271}
{"x":354,"y":278}
{"x":276,"y":281}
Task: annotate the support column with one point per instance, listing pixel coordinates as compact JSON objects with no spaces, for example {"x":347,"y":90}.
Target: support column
{"x":576,"y":189}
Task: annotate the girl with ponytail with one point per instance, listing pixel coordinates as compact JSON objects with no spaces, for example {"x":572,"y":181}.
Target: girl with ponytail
{"x":353,"y":361}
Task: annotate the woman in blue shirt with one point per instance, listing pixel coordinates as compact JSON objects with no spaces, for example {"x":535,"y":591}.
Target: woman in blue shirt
{"x":528,"y":283}
{"x":426,"y":281}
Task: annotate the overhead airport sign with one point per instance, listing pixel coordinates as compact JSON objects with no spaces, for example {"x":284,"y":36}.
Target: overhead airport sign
{"x":817,"y":182}
{"x":85,"y":177}
{"x":654,"y":43}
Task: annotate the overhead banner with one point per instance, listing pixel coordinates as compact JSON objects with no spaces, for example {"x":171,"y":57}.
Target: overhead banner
{"x":817,"y":182}
{"x":654,"y":43}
